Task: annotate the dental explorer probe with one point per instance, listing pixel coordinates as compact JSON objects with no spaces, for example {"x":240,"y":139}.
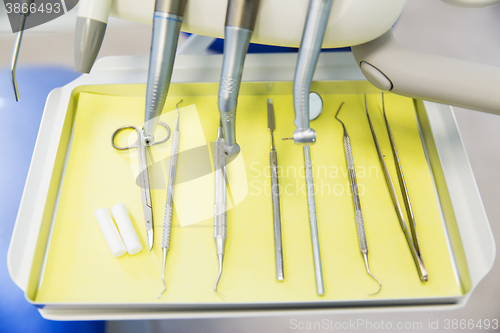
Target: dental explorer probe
{"x":240,"y":22}
{"x":412,"y":243}
{"x":220,"y":215}
{"x":310,"y":48}
{"x":360,"y":226}
{"x":278,"y":245}
{"x":17,"y":45}
{"x":167,"y":21}
{"x":167,"y":221}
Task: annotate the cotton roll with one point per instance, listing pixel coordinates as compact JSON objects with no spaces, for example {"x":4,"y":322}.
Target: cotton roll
{"x":124,"y":224}
{"x":110,"y":232}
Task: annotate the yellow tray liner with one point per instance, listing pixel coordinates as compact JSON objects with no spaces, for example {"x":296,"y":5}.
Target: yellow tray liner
{"x":80,"y":268}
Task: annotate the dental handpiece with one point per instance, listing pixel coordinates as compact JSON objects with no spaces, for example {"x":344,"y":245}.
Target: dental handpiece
{"x":167,"y":221}
{"x":17,"y":46}
{"x":167,"y":23}
{"x":310,"y":48}
{"x":240,"y":22}
{"x":220,"y":208}
{"x":91,"y":23}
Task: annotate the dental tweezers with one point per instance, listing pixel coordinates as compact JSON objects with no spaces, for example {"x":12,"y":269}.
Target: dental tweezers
{"x":360,"y":226}
{"x":411,"y":238}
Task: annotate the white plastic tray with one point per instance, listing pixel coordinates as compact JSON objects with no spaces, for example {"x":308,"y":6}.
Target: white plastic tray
{"x":464,"y":218}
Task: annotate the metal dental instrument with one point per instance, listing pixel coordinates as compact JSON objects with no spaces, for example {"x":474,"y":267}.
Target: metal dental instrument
{"x":220,"y":215}
{"x":314,"y":102}
{"x":17,"y":45}
{"x":313,"y":220}
{"x":167,"y":221}
{"x":143,"y":174}
{"x":310,"y":48}
{"x":278,"y":247}
{"x":402,"y":184}
{"x":167,"y":23}
{"x":412,"y":242}
{"x":240,"y":22}
{"x":360,"y":226}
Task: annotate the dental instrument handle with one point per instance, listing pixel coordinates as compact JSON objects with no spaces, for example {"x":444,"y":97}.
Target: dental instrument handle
{"x":360,"y":225}
{"x":220,"y":208}
{"x":313,"y":221}
{"x":91,"y":23}
{"x":240,"y":22}
{"x":278,"y":246}
{"x":358,"y":215}
{"x":310,"y":48}
{"x":170,"y":192}
{"x":167,"y":220}
{"x":167,"y":21}
{"x":357,"y":205}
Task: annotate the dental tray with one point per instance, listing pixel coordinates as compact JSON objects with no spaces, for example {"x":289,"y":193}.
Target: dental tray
{"x":59,"y":257}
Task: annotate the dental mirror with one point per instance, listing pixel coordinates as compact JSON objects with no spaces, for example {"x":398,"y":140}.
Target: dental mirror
{"x":315,"y":105}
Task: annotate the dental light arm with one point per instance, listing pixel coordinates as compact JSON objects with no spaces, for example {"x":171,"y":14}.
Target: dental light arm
{"x":391,"y":67}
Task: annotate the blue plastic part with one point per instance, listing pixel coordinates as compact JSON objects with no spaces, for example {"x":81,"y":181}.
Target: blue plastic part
{"x":20,"y":121}
{"x":218,"y":46}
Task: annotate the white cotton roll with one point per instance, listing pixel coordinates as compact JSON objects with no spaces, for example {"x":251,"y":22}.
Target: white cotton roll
{"x":127,"y":230}
{"x":110,"y":232}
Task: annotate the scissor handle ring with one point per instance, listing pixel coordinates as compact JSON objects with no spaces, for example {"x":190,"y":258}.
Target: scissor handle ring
{"x":168,"y":136}
{"x":113,"y":136}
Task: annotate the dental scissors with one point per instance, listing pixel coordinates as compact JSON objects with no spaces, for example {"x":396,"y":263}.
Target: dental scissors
{"x":143,"y":174}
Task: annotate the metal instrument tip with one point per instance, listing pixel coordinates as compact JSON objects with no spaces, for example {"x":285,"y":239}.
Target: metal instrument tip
{"x":365,"y":256}
{"x":177,"y":108}
{"x":164,"y":289}
{"x":15,"y":55}
{"x":150,"y":238}
{"x":221,"y":256}
{"x":336,"y":115}
{"x":14,"y":83}
{"x":165,"y":250}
